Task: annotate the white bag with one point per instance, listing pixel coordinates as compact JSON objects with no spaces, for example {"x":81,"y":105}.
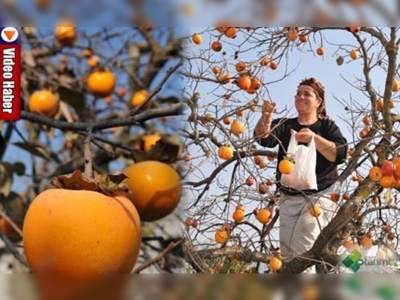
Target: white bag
{"x":303,"y":176}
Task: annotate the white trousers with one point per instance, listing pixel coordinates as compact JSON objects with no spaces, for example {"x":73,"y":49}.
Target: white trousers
{"x":298,"y":228}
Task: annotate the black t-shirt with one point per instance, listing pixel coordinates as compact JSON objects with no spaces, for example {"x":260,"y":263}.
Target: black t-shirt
{"x":326,"y":171}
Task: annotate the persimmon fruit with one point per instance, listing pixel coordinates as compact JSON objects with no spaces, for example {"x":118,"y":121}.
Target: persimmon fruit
{"x":74,"y":231}
{"x":264,"y":216}
{"x":101,"y":83}
{"x":375,"y":173}
{"x":315,"y":210}
{"x":65,"y":34}
{"x":43,"y":102}
{"x":275,"y":263}
{"x":139,"y":97}
{"x":149,"y":141}
{"x":225,"y":152}
{"x":196,"y":38}
{"x":286,"y":166}
{"x":155,"y":189}
{"x":237,"y":127}
{"x":221,"y":236}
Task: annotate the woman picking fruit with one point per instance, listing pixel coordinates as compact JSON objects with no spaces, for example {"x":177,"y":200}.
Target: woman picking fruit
{"x":298,"y":227}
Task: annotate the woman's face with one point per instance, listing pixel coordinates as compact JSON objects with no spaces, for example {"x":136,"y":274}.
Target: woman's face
{"x":306,"y":100}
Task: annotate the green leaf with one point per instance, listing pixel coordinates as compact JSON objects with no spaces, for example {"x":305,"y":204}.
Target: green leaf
{"x":19,"y":168}
{"x":339,"y":60}
{"x":72,"y":97}
{"x":31,"y":149}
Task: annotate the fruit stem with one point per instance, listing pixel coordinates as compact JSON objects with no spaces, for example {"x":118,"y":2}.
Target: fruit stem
{"x":87,"y":152}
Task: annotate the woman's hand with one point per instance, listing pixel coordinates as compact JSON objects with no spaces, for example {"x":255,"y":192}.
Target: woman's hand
{"x":268,"y":109}
{"x":304,"y":135}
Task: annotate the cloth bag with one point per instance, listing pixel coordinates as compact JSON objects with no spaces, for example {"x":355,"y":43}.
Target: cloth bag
{"x":303,"y":176}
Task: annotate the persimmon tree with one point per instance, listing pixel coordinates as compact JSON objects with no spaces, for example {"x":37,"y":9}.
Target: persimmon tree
{"x":230,"y":71}
{"x":96,"y":100}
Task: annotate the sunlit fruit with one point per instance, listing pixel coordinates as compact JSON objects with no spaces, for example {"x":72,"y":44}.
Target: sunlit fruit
{"x":244,"y":82}
{"x":240,"y":66}
{"x":388,"y":168}
{"x":149,"y":141}
{"x":255,"y":84}
{"x":237,"y":127}
{"x":364,"y":133}
{"x":391,"y":236}
{"x":366,"y":242}
{"x":346,"y":196}
{"x":263,"y":164}
{"x":335,"y":197}
{"x":273,"y":65}
{"x":303,"y":38}
{"x":275,"y":263}
{"x":77,"y":232}
{"x":216,"y":70}
{"x":375,"y":173}
{"x":221,"y":236}
{"x":351,"y":152}
{"x":355,"y":29}
{"x":238,"y":215}
{"x":264,"y":216}
{"x":265,"y":61}
{"x":354,"y":54}
{"x":65,"y":33}
{"x":257,"y":159}
{"x":286,"y":166}
{"x":216,"y":46}
{"x":93,"y":61}
{"x":121,"y":92}
{"x":43,"y":102}
{"x":386,"y":181}
{"x":315,"y":210}
{"x":224,"y":78}
{"x":155,"y":189}
{"x":292,"y":35}
{"x":101,"y":83}
{"x":320,"y":51}
{"x":225,"y":152}
{"x":231,"y":32}
{"x":196,"y":38}
{"x":239,"y":111}
{"x":206,"y":119}
{"x":139,"y":97}
{"x":227,"y":120}
{"x":379,"y":104}
{"x":250,"y":181}
{"x":87,"y":52}
{"x":366,"y":120}
{"x":395,"y":85}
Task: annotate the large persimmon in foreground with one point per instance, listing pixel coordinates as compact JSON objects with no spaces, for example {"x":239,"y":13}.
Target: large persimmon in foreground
{"x":75,"y":232}
{"x":155,"y":187}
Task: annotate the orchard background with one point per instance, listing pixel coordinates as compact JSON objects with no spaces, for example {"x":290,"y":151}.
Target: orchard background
{"x":113,"y":120}
{"x":229,"y":72}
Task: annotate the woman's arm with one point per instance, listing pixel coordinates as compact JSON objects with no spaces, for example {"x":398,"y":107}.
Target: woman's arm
{"x":263,"y":126}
